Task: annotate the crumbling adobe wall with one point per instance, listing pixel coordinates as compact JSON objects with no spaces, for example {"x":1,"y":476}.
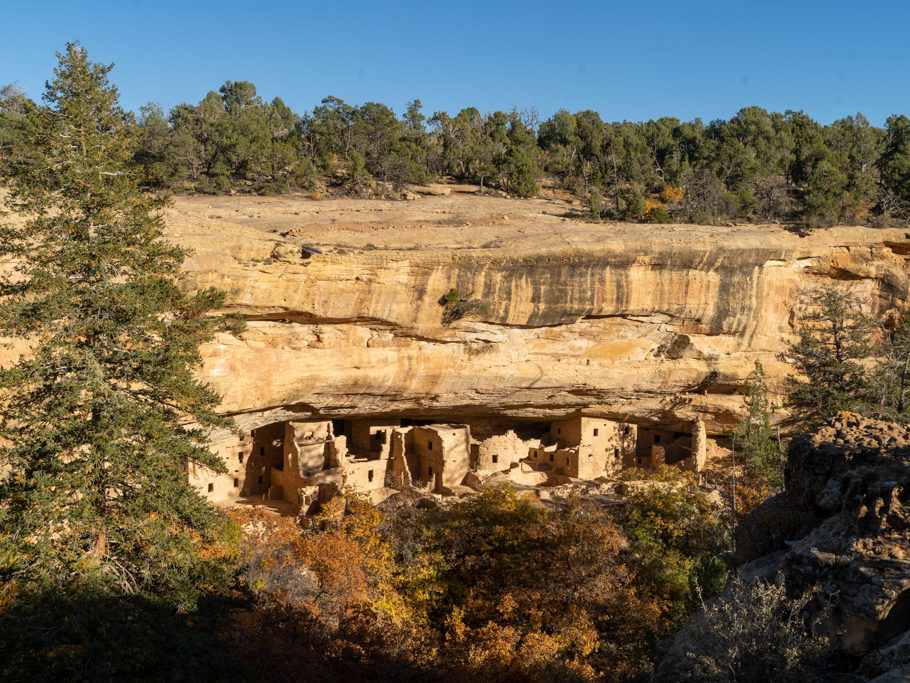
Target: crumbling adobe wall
{"x":248,"y":459}
{"x":309,"y":448}
{"x":675,"y":446}
{"x":236,"y":453}
{"x":443,"y":453}
{"x":367,"y":475}
{"x":506,"y":449}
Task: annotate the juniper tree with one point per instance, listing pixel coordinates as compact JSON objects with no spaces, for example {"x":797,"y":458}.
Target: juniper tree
{"x":835,"y":337}
{"x":100,"y":422}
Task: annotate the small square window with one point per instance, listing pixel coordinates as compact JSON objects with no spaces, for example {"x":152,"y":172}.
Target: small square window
{"x":236,"y":483}
{"x":211,"y":487}
{"x":370,"y":475}
{"x":657,"y":438}
{"x":495,"y":459}
{"x":429,"y":445}
{"x":595,"y":431}
{"x":559,"y":430}
{"x":262,"y":450}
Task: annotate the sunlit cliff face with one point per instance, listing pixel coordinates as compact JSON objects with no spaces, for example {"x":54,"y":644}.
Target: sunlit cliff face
{"x":655,"y":324}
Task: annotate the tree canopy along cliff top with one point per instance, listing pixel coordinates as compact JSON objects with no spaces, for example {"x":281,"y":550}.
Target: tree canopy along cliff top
{"x":461,"y":220}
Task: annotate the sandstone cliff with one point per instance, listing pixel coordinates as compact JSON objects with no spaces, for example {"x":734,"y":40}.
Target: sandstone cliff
{"x":640,"y":322}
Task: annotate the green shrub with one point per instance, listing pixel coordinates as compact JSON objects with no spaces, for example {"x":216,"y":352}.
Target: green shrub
{"x":758,"y":633}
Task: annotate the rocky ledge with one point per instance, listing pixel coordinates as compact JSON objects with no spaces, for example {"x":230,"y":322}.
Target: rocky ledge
{"x":644,"y":323}
{"x":842,"y":526}
{"x":855,"y":474}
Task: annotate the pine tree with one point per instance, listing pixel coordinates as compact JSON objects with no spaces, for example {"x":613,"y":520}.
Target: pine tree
{"x":753,"y":436}
{"x":834,"y":340}
{"x":102,"y":419}
{"x":891,"y":378}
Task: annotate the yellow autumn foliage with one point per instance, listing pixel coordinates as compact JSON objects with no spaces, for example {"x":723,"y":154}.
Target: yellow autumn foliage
{"x":672,"y":194}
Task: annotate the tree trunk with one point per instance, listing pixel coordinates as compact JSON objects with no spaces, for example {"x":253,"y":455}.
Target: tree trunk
{"x":100,"y":545}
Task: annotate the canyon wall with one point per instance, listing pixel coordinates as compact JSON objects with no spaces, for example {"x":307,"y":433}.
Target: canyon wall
{"x":635,"y":322}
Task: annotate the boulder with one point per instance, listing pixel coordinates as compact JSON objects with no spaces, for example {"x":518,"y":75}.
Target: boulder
{"x":473,"y":481}
{"x":889,"y":663}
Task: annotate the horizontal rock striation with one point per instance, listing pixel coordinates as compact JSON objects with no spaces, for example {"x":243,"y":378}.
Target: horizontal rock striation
{"x":636,"y":322}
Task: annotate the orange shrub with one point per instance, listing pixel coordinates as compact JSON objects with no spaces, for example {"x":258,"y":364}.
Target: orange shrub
{"x":672,"y":194}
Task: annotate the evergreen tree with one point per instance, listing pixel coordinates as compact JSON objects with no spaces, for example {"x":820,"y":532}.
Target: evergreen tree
{"x":14,"y":107}
{"x":753,"y":436}
{"x":560,"y":141}
{"x":826,"y":193}
{"x":378,"y":139}
{"x":103,"y":418}
{"x":518,"y":164}
{"x":834,"y":339}
{"x":858,"y":145}
{"x":417,"y":143}
{"x":151,"y":147}
{"x":895,"y":168}
{"x":891,"y":379}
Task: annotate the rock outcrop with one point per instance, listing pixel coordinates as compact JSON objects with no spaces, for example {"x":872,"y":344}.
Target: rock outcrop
{"x":640,"y":322}
{"x":848,"y":488}
{"x":856,"y":473}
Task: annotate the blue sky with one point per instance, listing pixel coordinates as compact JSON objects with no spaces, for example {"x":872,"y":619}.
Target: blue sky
{"x":627,"y":60}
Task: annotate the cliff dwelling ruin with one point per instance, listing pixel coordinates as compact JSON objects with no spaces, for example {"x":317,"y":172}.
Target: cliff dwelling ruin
{"x":305,"y":462}
{"x":595,"y":351}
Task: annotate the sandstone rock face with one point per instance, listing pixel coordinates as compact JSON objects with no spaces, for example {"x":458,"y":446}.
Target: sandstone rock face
{"x":637,"y":322}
